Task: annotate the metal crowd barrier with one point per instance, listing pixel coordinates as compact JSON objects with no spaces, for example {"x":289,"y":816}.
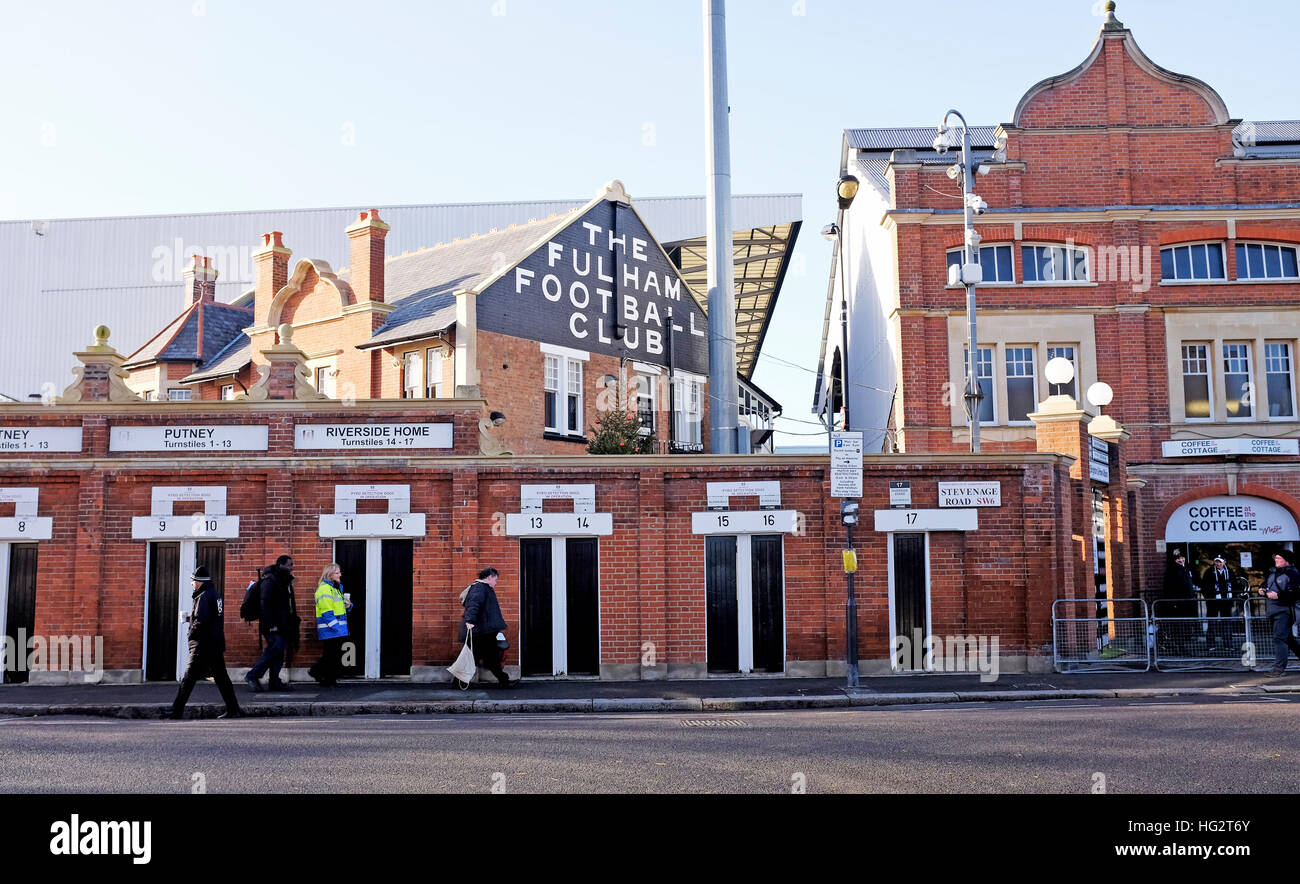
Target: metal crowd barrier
{"x":1211,"y":634}
{"x":1091,"y":635}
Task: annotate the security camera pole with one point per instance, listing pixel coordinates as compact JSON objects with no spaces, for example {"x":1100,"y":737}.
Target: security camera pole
{"x":970,"y":272}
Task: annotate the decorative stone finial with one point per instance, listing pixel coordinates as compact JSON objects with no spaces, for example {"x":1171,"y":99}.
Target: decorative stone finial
{"x":1112,"y":23}
{"x":614,"y":191}
{"x":101,"y":336}
{"x":285,"y":331}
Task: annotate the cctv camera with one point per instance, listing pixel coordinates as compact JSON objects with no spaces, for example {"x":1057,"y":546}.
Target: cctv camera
{"x":940,"y":144}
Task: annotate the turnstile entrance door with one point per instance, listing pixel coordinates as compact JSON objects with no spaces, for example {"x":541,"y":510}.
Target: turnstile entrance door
{"x":745,"y":603}
{"x":559,"y":628}
{"x":379,"y":619}
{"x":170,"y":597}
{"x":909,"y":592}
{"x":20,"y":603}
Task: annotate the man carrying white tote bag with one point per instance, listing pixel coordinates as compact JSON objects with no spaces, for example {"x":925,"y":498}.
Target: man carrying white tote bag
{"x":480,"y":626}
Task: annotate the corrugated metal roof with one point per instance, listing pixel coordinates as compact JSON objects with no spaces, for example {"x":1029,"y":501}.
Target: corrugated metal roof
{"x":1276,"y":130}
{"x":127,"y":272}
{"x":915,"y":137}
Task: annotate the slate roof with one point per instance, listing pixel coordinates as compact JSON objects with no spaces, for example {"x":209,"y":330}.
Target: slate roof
{"x":423,"y":284}
{"x":233,"y":357}
{"x":179,"y":341}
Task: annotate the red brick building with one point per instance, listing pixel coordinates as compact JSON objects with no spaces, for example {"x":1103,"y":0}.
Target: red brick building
{"x":553,"y":322}
{"x":1134,"y":229}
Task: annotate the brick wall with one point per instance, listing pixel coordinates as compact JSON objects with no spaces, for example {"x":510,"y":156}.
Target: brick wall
{"x":998,"y":580}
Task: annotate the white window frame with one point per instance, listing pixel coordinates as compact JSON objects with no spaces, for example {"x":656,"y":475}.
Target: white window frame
{"x":1268,"y":400}
{"x":567,"y":360}
{"x":227,"y":388}
{"x":180,"y":394}
{"x":1209,"y":378}
{"x":411,"y":369}
{"x":1251,"y":387}
{"x":1246,"y":243}
{"x":993,"y":245}
{"x":688,"y":418}
{"x":1191,"y":280}
{"x":1069,"y":264}
{"x":993,"y":349}
{"x":647,"y":382}
{"x":1006,"y":378}
{"x":435,"y":356}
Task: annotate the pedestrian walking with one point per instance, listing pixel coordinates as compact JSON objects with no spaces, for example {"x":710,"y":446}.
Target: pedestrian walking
{"x":207,"y":638}
{"x":278,"y":624}
{"x":483,"y":623}
{"x":1282,"y":592}
{"x":331,"y":625}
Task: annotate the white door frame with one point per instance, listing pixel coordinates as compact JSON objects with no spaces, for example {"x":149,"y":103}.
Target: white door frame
{"x":560,"y":601}
{"x":745,"y":599}
{"x":893,"y":611}
{"x":160,"y":526}
{"x":399,"y":523}
{"x":4,"y":595}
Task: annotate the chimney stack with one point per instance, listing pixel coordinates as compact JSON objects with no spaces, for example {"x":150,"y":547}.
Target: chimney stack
{"x":272,"y":262}
{"x":200,"y":280}
{"x":367,"y":255}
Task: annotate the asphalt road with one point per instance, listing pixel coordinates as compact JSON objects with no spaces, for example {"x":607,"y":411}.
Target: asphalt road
{"x":1202,"y":745}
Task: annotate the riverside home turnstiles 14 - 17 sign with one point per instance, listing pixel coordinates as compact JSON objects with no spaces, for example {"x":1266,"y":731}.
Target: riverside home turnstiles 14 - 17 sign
{"x":602,"y":284}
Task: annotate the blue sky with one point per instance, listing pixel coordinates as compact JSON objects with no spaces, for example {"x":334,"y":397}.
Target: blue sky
{"x":163,"y":106}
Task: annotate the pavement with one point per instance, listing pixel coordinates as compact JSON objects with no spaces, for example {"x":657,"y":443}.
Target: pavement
{"x":714,"y":694}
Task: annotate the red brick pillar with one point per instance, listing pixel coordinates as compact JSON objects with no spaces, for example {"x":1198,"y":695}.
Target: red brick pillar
{"x":285,"y":375}
{"x":1119,"y":566}
{"x":652,"y":576}
{"x":1061,"y":429}
{"x":465,"y":562}
{"x":100,"y":377}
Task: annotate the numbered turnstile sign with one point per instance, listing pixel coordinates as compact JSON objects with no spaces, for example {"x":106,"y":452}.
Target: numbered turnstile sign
{"x":24,"y":524}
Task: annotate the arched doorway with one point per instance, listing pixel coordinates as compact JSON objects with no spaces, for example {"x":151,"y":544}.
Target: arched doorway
{"x":1245,"y":530}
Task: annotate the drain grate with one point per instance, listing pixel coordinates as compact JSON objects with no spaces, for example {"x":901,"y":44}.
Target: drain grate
{"x":713,"y":722}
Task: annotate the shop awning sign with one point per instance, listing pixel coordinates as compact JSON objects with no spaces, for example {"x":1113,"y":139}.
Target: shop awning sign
{"x":1240,"y":445}
{"x":1231,"y":520}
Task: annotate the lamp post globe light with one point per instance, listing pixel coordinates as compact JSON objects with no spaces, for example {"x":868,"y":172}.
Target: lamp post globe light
{"x":1059,"y":371}
{"x":969,"y":272}
{"x":1100,"y":394}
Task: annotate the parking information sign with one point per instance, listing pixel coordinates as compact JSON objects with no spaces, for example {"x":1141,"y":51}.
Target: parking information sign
{"x":846,"y":464}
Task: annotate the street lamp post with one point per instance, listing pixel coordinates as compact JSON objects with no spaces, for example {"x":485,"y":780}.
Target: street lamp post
{"x":969,"y":273}
{"x":845,"y":191}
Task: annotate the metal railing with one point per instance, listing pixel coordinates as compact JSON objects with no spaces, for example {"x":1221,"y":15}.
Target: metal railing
{"x":1172,"y":635}
{"x":1091,"y":635}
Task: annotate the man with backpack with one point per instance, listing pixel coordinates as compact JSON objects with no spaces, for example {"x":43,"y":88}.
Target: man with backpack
{"x":277,"y":622}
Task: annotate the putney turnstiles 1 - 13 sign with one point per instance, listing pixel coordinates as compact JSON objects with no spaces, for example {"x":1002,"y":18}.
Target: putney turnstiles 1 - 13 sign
{"x":602,"y":284}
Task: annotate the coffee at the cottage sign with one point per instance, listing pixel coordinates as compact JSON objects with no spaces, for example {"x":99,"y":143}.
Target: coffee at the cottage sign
{"x":969,"y":494}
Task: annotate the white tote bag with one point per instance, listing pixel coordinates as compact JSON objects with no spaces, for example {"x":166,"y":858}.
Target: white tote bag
{"x":464,"y":669}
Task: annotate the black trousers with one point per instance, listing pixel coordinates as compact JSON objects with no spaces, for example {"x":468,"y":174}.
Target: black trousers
{"x":329,"y":668}
{"x":205,"y":659}
{"x":1282,"y":637}
{"x":486,"y":652}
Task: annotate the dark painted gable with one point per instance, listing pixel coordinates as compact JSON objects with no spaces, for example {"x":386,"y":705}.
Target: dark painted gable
{"x":601,"y":284}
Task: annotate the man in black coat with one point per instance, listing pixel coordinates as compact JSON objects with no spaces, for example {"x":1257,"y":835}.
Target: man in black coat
{"x":1282,"y":592}
{"x":279,"y":623}
{"x":1179,"y":586}
{"x":207,"y":638}
{"x":482,"y":620}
